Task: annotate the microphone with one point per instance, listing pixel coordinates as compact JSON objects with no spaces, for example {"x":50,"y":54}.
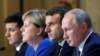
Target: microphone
{"x":2,"y":48}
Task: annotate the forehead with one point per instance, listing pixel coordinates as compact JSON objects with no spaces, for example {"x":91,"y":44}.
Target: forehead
{"x":53,"y":18}
{"x":68,"y":19}
{"x":11,"y":24}
{"x":28,"y":20}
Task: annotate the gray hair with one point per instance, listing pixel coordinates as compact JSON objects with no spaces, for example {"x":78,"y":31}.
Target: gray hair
{"x":36,"y":16}
{"x":82,"y":16}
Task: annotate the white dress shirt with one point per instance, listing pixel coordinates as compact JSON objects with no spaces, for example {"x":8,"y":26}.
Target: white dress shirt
{"x":19,"y":46}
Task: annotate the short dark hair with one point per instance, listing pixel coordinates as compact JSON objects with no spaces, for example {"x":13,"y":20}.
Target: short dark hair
{"x":58,"y":10}
{"x":17,"y":18}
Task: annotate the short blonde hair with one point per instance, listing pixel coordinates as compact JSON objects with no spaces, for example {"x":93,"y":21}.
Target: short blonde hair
{"x":36,"y":16}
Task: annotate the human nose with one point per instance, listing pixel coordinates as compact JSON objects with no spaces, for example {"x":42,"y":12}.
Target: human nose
{"x":47,"y":29}
{"x":21,"y":29}
{"x":7,"y":34}
{"x":65,"y":36}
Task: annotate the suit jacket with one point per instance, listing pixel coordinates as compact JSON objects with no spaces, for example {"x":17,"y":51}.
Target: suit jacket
{"x":92,"y":46}
{"x":30,"y":51}
{"x":42,"y":50}
{"x":22,"y":50}
{"x":66,"y":50}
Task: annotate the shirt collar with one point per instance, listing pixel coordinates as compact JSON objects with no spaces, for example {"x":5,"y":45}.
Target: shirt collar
{"x":62,"y":43}
{"x":80,"y":47}
{"x":19,"y":46}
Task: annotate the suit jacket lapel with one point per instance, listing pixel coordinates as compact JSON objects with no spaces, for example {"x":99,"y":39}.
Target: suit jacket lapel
{"x":22,"y":50}
{"x":66,"y":50}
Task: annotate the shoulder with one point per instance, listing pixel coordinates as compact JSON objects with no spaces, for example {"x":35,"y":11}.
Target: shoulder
{"x":44,"y":48}
{"x":30,"y":51}
{"x":93,"y":50}
{"x":94,"y":39}
{"x":45,"y":42}
{"x":92,"y":45}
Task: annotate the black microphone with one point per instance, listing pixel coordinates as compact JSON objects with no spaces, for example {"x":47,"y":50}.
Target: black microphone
{"x":2,"y":48}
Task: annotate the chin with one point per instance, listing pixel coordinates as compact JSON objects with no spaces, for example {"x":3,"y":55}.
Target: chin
{"x":72,"y":45}
{"x":11,"y":43}
{"x":50,"y":39}
{"x":23,"y":40}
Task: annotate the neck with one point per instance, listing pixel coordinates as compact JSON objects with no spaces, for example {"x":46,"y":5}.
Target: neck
{"x":34,"y":43}
{"x":37,"y":40}
{"x":60,"y":40}
{"x":17,"y":44}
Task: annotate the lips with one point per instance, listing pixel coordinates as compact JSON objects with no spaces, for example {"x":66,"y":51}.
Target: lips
{"x":65,"y":38}
{"x":9,"y":39}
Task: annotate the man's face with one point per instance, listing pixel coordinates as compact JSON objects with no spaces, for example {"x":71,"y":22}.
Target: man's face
{"x":13,"y":33}
{"x":73,"y":33}
{"x":53,"y":27}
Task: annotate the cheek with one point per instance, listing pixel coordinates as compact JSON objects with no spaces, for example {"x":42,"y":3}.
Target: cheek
{"x":71,"y":35}
{"x":17,"y":34}
{"x":14,"y":34}
{"x":28,"y":31}
{"x":29,"y":34}
{"x":59,"y":32}
{"x":75,"y":38}
{"x":53,"y":29}
{"x":57,"y":29}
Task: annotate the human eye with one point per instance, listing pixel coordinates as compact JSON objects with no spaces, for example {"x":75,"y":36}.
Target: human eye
{"x":52,"y":24}
{"x":12,"y":30}
{"x":25,"y":25}
{"x":65,"y":29}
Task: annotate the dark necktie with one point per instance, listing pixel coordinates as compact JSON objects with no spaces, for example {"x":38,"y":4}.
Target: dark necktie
{"x":16,"y":53}
{"x":78,"y":52}
{"x":58,"y":50}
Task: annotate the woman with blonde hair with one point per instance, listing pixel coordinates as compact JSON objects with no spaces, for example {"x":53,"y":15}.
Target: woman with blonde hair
{"x":34,"y":34}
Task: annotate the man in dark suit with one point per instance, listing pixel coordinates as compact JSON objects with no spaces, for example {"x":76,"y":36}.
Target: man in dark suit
{"x":77,"y":27}
{"x":13,"y":23}
{"x":53,"y":28}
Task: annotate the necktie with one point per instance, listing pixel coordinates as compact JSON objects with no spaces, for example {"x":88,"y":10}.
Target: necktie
{"x":78,"y":52}
{"x":58,"y":50}
{"x":16,"y":53}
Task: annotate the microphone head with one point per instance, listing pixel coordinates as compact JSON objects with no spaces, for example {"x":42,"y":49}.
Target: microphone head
{"x":2,"y":48}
